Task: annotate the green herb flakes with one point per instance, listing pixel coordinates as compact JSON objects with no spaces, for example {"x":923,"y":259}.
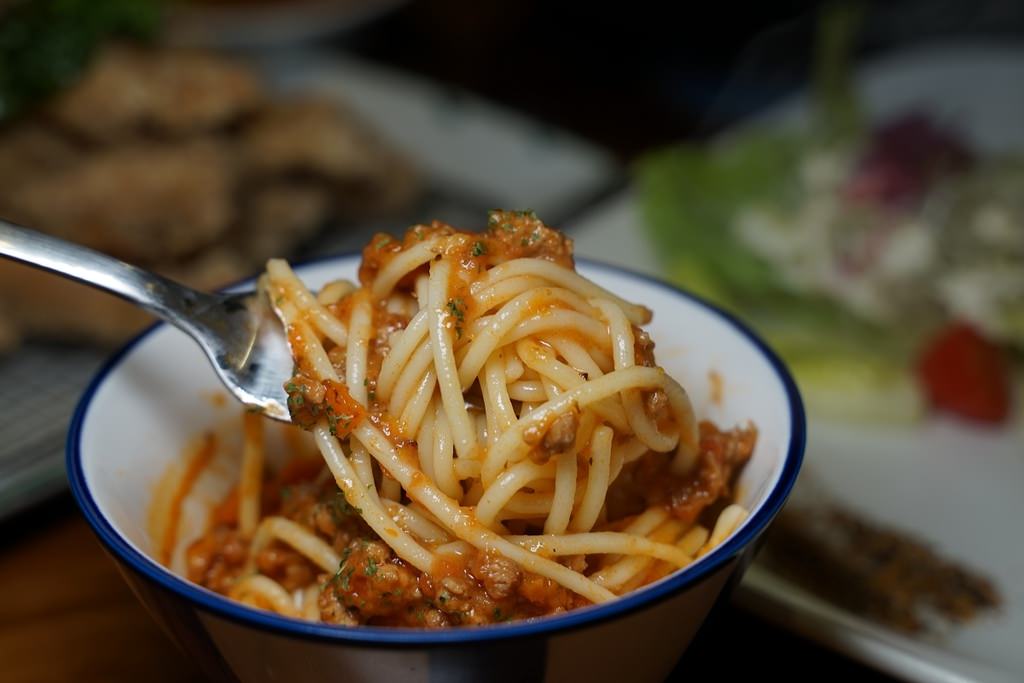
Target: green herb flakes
{"x":455,"y":308}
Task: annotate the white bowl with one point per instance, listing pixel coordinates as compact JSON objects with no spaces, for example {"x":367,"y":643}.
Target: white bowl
{"x":147,"y":402}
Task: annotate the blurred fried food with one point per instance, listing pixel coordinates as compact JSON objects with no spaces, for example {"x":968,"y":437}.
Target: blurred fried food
{"x":139,"y":201}
{"x":131,"y":90}
{"x":179,"y":161}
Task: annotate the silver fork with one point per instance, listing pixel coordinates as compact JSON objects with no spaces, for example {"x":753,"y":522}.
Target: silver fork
{"x":237,"y":332}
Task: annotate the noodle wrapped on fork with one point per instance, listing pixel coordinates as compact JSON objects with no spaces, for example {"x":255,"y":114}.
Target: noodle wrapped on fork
{"x":501,"y":428}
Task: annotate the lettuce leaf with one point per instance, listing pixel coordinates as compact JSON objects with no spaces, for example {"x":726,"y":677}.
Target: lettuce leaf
{"x":689,"y":200}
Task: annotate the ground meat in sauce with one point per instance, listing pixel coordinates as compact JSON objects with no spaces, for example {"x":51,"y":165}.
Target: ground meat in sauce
{"x":216,"y":559}
{"x":499,"y":575}
{"x":330,"y":401}
{"x":509,"y":235}
{"x":561,"y":435}
{"x":657,"y":406}
{"x":286,"y":566}
{"x":643,"y":348}
{"x":649,"y":481}
{"x":373,"y":586}
{"x":520,"y":234}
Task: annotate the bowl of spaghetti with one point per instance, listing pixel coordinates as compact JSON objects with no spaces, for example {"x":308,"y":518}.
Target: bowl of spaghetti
{"x":490,"y":471}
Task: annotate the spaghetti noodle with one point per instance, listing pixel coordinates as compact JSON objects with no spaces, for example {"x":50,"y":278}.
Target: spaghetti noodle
{"x":497,"y":442}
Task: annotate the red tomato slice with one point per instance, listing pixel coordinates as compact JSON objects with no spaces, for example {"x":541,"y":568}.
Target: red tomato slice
{"x":965,"y":374}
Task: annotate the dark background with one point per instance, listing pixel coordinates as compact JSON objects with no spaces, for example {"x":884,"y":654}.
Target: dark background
{"x":636,"y":74}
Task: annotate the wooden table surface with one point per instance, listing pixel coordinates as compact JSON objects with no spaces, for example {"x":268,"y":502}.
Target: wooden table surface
{"x":66,"y":614}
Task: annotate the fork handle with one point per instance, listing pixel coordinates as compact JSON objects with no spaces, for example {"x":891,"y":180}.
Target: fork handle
{"x":174,"y":303}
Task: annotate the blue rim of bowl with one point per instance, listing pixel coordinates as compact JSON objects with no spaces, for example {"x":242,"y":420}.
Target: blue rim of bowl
{"x":399,"y":637}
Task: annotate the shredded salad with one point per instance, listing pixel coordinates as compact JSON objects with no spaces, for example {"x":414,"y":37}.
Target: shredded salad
{"x":885,"y":262}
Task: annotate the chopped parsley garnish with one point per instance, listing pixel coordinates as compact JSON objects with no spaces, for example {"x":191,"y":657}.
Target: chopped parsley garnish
{"x":333,"y":419}
{"x":455,"y":308}
{"x":383,"y":241}
{"x":346,"y":575}
{"x":479,"y":248}
{"x":371,"y":567}
{"x":295,"y":396}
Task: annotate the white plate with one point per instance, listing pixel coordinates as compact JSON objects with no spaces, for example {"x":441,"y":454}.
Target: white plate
{"x":959,"y":488}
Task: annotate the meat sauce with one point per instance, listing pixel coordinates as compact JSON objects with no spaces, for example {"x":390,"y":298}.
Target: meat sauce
{"x":649,"y":481}
{"x":509,"y":235}
{"x":372,"y":586}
